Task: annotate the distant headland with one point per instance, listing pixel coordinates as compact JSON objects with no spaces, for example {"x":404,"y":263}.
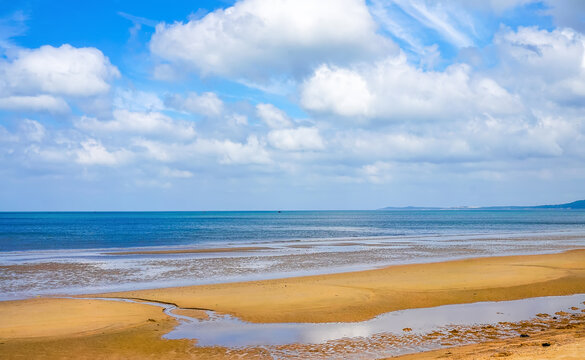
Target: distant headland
{"x":579,"y":204}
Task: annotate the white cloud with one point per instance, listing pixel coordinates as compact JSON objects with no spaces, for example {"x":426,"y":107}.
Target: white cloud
{"x":394,"y":90}
{"x":135,"y":100}
{"x":92,"y":152}
{"x":378,"y":173}
{"x":33,"y":130}
{"x":273,"y":116}
{"x":438,"y":146}
{"x":47,"y":103}
{"x":344,"y":91}
{"x":437,"y":17}
{"x":65,"y":70}
{"x":207,"y":103}
{"x":567,"y":13}
{"x":258,"y":39}
{"x":203,"y":150}
{"x":238,"y":119}
{"x":176,"y":173}
{"x":229,"y":152}
{"x":11,"y":25}
{"x":467,"y":141}
{"x":543,"y":65}
{"x":159,"y":151}
{"x":302,"y":138}
{"x":139,"y":123}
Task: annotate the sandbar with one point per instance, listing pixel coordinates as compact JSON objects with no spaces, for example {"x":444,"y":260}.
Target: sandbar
{"x":358,"y":296}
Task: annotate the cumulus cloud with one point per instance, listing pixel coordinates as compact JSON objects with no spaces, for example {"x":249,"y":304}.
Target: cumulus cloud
{"x":436,"y":147}
{"x":476,"y":141}
{"x":139,"y":123}
{"x":395,"y":90}
{"x":202,"y":150}
{"x":273,"y":116}
{"x":230,"y":152}
{"x":344,"y":91}
{"x":543,"y":64}
{"x":63,"y":70}
{"x":261,"y":39}
{"x":302,"y":138}
{"x":207,"y":103}
{"x":92,"y":152}
{"x":374,"y":113}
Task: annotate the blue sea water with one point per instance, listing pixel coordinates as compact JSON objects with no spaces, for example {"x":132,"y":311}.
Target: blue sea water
{"x":90,"y":230}
{"x":65,"y":253}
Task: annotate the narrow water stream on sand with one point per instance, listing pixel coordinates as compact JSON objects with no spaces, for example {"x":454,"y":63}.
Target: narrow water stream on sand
{"x":228,"y":331}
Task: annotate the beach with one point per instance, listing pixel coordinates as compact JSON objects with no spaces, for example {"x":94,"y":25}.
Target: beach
{"x":292,"y":179}
{"x":92,"y":328}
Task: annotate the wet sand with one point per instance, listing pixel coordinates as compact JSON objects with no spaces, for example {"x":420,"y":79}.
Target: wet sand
{"x":66,"y":328}
{"x":560,"y":338}
{"x":191,"y":251}
{"x":359,"y":296}
{"x":28,"y":274}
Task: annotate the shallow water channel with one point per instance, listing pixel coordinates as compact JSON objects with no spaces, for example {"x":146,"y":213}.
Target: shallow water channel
{"x":228,"y":331}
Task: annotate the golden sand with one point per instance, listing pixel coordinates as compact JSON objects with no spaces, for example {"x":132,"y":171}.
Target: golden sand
{"x":561,"y":343}
{"x":96,"y":329}
{"x":362,"y":295}
{"x":44,"y":317}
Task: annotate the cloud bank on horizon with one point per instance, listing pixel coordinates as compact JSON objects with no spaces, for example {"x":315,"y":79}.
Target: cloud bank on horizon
{"x":263,"y":104}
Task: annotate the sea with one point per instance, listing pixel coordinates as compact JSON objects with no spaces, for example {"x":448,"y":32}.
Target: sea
{"x":45,"y":253}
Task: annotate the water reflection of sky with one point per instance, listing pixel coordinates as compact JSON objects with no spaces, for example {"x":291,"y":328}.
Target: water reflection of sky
{"x":224,"y":330}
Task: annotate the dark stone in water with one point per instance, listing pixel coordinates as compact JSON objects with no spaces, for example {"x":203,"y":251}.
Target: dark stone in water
{"x":545,"y":344}
{"x":524,"y":335}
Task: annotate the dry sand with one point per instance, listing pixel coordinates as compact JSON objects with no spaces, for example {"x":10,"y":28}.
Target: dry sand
{"x":42,"y":317}
{"x":65,"y":328}
{"x":362,"y":295}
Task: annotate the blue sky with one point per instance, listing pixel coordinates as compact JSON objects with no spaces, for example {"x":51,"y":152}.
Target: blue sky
{"x":281,"y":104}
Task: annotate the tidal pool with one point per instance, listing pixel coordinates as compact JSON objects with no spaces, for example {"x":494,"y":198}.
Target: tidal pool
{"x":228,"y":331}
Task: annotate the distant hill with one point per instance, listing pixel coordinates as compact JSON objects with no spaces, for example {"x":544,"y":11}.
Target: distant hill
{"x":579,"y":204}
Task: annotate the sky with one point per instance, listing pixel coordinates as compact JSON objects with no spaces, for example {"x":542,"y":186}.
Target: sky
{"x":290,"y":104}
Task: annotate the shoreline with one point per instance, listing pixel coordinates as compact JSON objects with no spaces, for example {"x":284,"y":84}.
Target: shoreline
{"x":28,"y":274}
{"x":361,"y":295}
{"x":285,"y":242}
{"x":345,"y":297}
{"x":210,"y":250}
